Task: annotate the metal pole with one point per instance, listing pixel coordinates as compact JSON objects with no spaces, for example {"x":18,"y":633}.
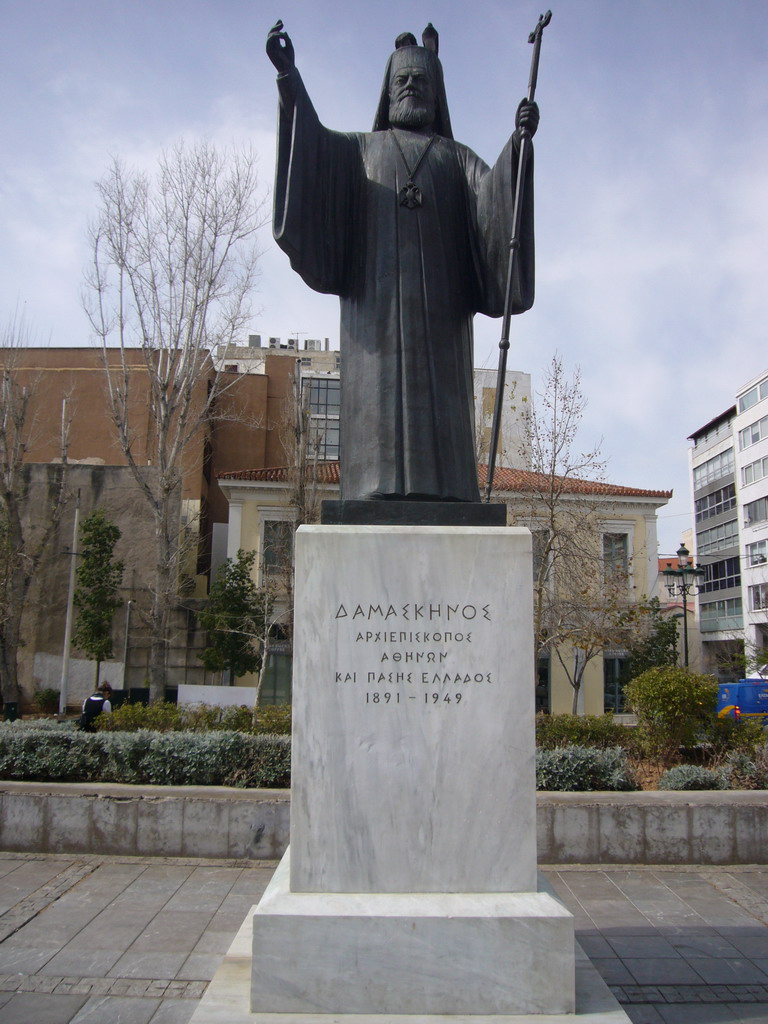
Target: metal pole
{"x":70,"y":607}
{"x":685,"y":625}
{"x":514,"y":248}
{"x":125,"y":641}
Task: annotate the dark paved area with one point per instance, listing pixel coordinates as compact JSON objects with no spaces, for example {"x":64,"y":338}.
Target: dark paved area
{"x":676,"y":945}
{"x":101,"y":940}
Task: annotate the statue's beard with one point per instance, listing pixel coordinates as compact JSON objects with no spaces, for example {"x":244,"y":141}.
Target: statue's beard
{"x":410,"y":112}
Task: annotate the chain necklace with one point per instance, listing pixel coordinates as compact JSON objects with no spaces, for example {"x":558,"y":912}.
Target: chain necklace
{"x":410,"y":194}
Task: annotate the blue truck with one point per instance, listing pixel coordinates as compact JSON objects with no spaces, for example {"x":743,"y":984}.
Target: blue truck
{"x":746,"y":699}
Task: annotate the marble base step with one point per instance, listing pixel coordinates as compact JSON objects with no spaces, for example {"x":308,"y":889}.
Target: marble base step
{"x":410,"y":953}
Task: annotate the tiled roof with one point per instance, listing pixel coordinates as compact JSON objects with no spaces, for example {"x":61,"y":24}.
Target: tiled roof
{"x":515,"y":480}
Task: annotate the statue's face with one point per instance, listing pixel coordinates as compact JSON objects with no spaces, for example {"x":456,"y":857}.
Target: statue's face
{"x":411,"y":98}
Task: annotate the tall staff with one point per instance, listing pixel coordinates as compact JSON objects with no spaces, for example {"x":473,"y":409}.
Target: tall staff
{"x":514,"y":247}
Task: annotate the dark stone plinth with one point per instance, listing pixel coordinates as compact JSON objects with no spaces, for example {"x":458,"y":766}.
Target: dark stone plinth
{"x":412,"y":513}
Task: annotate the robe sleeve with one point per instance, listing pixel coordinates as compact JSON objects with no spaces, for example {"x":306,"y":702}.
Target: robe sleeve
{"x":316,"y":190}
{"x":494,"y":192}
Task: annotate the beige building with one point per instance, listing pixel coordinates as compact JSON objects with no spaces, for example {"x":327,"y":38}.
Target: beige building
{"x":263,"y":515}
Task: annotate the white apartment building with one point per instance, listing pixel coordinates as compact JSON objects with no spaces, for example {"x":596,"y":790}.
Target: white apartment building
{"x":729,"y":473}
{"x":750,"y":429}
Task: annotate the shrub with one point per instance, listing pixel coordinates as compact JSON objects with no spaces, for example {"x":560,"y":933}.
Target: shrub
{"x":584,"y":730}
{"x":163,"y":716}
{"x":274,"y":719}
{"x":579,"y":769}
{"x":151,"y":758}
{"x":693,"y":776}
{"x":672,"y":705}
{"x":747,"y":771}
{"x":47,"y":699}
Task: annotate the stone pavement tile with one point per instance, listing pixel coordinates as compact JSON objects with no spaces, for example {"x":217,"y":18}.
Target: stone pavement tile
{"x":114,"y":1009}
{"x":148,"y":964}
{"x":20,"y":960}
{"x":199,"y":966}
{"x":720,"y":912}
{"x":693,"y":946}
{"x":26,"y":879}
{"x":750,"y":1013}
{"x":102,"y":935}
{"x":252,"y":882}
{"x":643,"y":1014}
{"x":39,"y":1008}
{"x":81,"y":963}
{"x":219,"y":942}
{"x":641,"y":945}
{"x":174,"y":1011}
{"x":178,"y":930}
{"x":661,"y":971}
{"x":612,"y":971}
{"x":593,"y":945}
{"x":8,"y":865}
{"x":752,"y":946}
{"x":697,"y":1013}
{"x":729,"y":971}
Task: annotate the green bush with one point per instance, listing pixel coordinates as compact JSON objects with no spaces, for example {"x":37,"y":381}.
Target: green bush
{"x":747,"y":771}
{"x":672,"y":706}
{"x":162,"y":716}
{"x":693,"y":776}
{"x":47,"y":699}
{"x":581,"y":769}
{"x":215,"y":758}
{"x":274,"y":718}
{"x":584,"y":730}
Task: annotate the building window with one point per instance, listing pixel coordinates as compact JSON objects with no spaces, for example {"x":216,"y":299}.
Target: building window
{"x":757,"y":553}
{"x":713,"y":504}
{"x":230,"y":367}
{"x":754,"y":471}
{"x":754,"y":395}
{"x":725,"y":535}
{"x":713,"y":469}
{"x":723,"y":614}
{"x":615,"y":555}
{"x":323,"y":397}
{"x":277,"y":550}
{"x":756,"y":511}
{"x":758,"y":597}
{"x":721,"y":575}
{"x":753,"y":433}
{"x":614,"y":672}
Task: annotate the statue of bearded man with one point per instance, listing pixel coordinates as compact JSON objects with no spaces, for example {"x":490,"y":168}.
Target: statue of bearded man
{"x":411,"y":230}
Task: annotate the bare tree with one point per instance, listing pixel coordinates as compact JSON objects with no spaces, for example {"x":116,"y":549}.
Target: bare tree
{"x":27,"y":523}
{"x":173,"y":264}
{"x":580,"y":604}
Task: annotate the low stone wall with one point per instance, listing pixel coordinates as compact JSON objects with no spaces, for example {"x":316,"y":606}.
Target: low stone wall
{"x":147,"y":821}
{"x":573,"y":828}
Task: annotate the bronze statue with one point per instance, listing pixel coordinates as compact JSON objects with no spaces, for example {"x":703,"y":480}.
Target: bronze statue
{"x":412,"y":231}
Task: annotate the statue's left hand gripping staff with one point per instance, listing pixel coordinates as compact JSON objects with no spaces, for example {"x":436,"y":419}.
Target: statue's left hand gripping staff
{"x":527,"y":122}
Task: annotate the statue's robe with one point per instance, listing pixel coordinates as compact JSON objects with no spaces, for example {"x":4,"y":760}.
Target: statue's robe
{"x":409,"y":282}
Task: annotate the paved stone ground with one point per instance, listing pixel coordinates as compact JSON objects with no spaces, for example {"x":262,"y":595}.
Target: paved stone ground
{"x":676,"y":945}
{"x":118,"y":940}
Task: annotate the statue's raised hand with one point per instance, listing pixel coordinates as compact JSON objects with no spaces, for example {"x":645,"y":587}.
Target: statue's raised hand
{"x":280,"y":49}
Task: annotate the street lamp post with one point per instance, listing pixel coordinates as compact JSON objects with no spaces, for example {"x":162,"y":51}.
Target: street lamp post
{"x":681,"y":582}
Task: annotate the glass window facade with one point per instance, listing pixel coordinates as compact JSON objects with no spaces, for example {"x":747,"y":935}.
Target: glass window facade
{"x":757,"y":553}
{"x":753,"y":433}
{"x":754,"y":471}
{"x":725,"y":535}
{"x":716,"y":503}
{"x":713,"y":469}
{"x":756,"y":511}
{"x":758,"y":597}
{"x":721,"y":575}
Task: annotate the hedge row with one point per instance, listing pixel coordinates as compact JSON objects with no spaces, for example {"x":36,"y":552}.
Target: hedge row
{"x":149,"y":758}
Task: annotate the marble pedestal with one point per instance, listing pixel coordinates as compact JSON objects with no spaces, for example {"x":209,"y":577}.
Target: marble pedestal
{"x":411,"y":882}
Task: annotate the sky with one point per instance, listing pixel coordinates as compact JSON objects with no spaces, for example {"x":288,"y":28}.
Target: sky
{"x":651,"y":175}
